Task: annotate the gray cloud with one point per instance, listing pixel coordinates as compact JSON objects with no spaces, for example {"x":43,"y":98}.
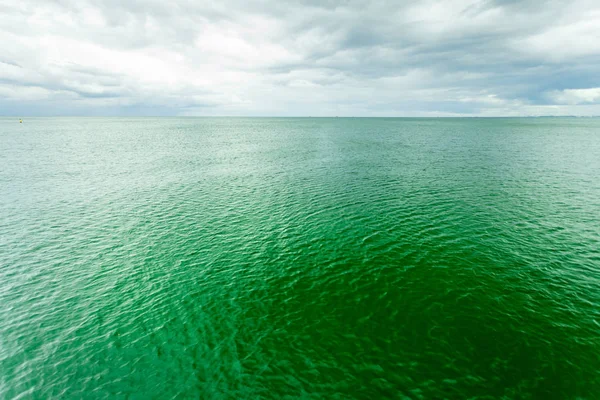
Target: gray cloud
{"x":456,"y":57}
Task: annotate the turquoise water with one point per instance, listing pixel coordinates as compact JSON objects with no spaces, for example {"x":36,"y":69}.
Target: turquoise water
{"x":300,"y":258}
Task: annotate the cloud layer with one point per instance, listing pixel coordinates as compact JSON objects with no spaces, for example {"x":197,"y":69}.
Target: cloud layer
{"x":376,"y":58}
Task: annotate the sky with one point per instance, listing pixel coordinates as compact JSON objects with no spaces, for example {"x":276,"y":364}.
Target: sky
{"x":299,"y":58}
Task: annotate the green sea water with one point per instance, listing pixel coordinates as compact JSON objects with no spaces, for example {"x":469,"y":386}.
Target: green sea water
{"x":235,"y":258}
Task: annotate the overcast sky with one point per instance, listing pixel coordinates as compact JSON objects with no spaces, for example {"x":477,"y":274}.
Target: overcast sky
{"x":284,"y":58}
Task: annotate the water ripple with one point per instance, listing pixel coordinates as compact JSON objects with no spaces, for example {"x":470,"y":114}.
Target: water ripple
{"x":307,"y":258}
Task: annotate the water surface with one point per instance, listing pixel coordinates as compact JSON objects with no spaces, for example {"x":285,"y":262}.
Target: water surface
{"x":307,"y":258}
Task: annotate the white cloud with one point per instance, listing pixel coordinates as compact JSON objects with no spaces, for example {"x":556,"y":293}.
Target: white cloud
{"x":270,"y":58}
{"x":576,"y":96}
{"x":567,"y":40}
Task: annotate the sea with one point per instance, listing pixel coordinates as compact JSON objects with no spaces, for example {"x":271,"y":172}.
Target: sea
{"x":300,"y":258}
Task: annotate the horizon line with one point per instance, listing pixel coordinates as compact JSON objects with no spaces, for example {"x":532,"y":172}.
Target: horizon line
{"x":299,"y":116}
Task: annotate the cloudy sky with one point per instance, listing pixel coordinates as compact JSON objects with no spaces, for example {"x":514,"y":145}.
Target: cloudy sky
{"x":285,"y":58}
